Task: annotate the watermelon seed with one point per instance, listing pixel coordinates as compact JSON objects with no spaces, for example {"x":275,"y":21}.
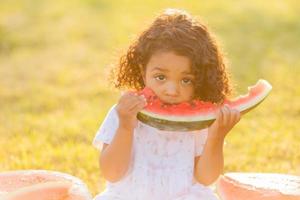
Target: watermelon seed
{"x":193,"y":104}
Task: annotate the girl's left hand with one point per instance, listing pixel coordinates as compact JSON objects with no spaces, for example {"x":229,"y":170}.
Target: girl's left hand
{"x":225,"y":121}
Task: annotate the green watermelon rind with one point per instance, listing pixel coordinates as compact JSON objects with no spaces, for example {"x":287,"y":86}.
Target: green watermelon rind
{"x":168,"y":125}
{"x":194,"y":122}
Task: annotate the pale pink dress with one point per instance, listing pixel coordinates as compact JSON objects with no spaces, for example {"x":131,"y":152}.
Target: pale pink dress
{"x":162,"y":165}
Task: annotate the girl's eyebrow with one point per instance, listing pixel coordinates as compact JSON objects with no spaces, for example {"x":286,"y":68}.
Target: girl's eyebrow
{"x":160,"y":69}
{"x":166,"y":70}
{"x":187,"y":72}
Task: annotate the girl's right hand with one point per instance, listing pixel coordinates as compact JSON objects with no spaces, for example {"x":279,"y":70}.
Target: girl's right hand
{"x":128,"y":106}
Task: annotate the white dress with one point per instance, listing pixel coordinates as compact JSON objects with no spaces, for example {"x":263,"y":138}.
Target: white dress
{"x":162,"y":165}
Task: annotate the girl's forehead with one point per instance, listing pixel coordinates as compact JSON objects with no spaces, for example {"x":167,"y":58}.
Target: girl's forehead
{"x":169,"y":60}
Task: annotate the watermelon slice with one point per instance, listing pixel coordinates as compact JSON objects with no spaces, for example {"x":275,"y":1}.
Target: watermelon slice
{"x":41,"y":185}
{"x":258,"y":186}
{"x":195,"y":115}
{"x":56,"y":190}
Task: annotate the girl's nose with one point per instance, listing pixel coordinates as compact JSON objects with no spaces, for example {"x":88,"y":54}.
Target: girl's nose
{"x":172,"y":89}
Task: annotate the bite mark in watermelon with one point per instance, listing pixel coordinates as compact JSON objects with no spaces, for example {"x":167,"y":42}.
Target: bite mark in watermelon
{"x":196,"y":115}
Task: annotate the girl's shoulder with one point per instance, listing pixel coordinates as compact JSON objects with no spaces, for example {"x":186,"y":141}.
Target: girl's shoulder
{"x":112,"y":112}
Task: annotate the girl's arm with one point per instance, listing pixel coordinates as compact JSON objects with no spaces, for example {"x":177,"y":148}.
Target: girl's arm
{"x":210,"y":164}
{"x":115,"y":157}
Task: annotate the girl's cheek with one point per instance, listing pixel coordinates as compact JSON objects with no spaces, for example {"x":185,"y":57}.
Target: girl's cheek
{"x":155,"y":82}
{"x":152,"y":84}
{"x":190,"y":93}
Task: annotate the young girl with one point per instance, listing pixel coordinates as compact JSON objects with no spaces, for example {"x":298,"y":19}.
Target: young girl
{"x":179,"y":60}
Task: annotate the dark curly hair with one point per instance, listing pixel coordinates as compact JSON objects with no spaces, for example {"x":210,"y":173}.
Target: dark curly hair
{"x":177,"y":31}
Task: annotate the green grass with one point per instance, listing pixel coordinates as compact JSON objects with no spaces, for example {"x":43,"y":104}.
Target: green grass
{"x":53,"y":94}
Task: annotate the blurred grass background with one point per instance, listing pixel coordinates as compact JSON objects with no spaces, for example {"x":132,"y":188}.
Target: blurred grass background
{"x":53,"y":95}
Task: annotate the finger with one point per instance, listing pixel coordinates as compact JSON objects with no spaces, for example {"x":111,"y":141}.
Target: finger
{"x":137,"y":109}
{"x":237,"y":116}
{"x":140,"y":106}
{"x":124,"y":97}
{"x":226,"y":115}
{"x":220,"y":115}
{"x":231,"y":115}
{"x":126,"y":93}
{"x":143,"y":98}
{"x":128,"y":98}
{"x":135,"y":103}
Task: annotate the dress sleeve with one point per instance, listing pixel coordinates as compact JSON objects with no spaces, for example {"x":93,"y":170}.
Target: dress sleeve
{"x":107,"y":129}
{"x":200,"y":140}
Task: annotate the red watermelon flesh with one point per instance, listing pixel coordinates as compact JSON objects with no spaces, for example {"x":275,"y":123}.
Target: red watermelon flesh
{"x":195,"y":115}
{"x":56,"y":190}
{"x":258,"y":186}
{"x":41,"y":185}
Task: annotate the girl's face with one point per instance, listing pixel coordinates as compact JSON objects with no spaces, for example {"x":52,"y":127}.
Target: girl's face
{"x":169,"y":76}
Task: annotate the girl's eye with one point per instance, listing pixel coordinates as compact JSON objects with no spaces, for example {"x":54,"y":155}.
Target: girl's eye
{"x":187,"y":81}
{"x":160,"y":77}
